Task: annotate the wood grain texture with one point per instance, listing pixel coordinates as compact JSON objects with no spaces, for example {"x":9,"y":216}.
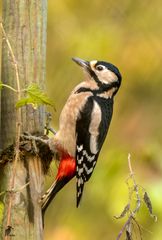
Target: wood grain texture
{"x":25,"y":25}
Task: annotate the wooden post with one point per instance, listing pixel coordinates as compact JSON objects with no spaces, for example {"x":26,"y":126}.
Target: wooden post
{"x":25,"y":25}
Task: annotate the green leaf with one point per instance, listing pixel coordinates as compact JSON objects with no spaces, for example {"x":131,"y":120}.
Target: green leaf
{"x":24,"y":101}
{"x":38,"y":95}
{"x":35,"y":96}
{"x":123,"y":213}
{"x":148,"y":203}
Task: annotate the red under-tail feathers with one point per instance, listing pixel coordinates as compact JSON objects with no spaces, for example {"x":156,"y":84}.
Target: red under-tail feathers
{"x":66,"y":171}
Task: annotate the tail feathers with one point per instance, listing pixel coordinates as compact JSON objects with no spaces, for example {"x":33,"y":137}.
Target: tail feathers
{"x":80,"y":187}
{"x":52,"y":191}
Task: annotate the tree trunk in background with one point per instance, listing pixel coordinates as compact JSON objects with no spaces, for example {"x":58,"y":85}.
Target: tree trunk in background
{"x":25,"y":25}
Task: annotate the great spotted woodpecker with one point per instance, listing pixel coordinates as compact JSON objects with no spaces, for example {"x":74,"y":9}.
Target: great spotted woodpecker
{"x":83,"y":125}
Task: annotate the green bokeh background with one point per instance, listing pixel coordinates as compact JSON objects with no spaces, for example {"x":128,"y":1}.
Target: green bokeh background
{"x":128,"y":34}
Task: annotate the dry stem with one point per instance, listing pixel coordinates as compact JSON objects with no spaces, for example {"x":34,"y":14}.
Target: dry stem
{"x":131,"y":214}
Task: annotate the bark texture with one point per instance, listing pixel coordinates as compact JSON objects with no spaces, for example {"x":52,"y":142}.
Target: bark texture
{"x":25,"y":25}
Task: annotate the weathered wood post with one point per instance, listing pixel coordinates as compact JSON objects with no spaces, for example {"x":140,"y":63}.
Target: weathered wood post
{"x":25,"y":25}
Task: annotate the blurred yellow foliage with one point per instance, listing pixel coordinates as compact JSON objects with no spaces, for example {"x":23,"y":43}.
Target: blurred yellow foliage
{"x":128,"y":34}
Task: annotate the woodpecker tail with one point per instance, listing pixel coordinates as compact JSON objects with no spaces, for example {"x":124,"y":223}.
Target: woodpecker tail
{"x":80,"y":187}
{"x":52,"y":191}
{"x":66,"y":172}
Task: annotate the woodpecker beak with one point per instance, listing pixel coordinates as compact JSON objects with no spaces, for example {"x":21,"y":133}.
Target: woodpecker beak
{"x":84,"y":64}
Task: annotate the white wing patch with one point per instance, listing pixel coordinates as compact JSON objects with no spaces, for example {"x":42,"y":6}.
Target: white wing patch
{"x":89,"y":158}
{"x":94,"y":127}
{"x":80,"y":160}
{"x":89,"y":170}
{"x":80,"y":148}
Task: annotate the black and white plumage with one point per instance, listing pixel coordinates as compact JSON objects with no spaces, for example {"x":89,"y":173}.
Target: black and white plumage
{"x":91,"y":128}
{"x":93,"y":122}
{"x":84,"y":123}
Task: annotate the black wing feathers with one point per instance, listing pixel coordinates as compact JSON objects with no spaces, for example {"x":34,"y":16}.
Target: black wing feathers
{"x":107,"y":111}
{"x":83,"y":139}
{"x":86,"y":160}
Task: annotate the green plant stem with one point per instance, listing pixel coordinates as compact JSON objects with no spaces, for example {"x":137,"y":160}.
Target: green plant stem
{"x":9,"y":87}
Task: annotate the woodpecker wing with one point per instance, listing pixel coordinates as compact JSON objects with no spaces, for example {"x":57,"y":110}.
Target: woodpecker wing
{"x":91,"y":129}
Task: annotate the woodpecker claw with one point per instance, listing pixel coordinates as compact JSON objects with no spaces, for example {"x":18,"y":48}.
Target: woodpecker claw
{"x":49,"y":129}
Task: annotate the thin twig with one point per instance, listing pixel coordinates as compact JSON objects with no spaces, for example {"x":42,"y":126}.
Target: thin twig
{"x":124,"y":227}
{"x":135,"y":185}
{"x":7,"y":86}
{"x":18,"y":127}
{"x":14,"y":191}
{"x":131,"y":213}
{"x":47,"y":126}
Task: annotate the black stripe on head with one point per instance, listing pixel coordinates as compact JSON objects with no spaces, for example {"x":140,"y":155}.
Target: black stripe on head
{"x":94,"y":76}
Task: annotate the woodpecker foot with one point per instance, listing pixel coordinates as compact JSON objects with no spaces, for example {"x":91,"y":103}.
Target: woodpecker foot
{"x":47,"y":127}
{"x":45,"y":196}
{"x":42,"y":200}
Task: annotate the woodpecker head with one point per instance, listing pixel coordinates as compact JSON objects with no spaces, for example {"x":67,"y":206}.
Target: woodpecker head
{"x":105,"y":74}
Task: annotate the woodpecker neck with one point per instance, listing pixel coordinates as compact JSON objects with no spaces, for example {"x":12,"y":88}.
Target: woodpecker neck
{"x":100,"y":82}
{"x":107,"y":90}
{"x":108,"y":94}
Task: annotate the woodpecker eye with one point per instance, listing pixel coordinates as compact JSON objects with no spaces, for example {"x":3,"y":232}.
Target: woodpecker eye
{"x":100,"y":67}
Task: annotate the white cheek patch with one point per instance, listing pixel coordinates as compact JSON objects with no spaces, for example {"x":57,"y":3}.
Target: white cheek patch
{"x":112,"y":76}
{"x":106,"y":76}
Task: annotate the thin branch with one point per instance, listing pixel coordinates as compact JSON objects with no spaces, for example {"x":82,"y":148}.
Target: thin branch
{"x":135,"y":185}
{"x":124,"y":228}
{"x":47,"y":126}
{"x":131,"y":213}
{"x":9,"y":87}
{"x":16,"y":190}
{"x":131,"y":221}
{"x":18,"y":128}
